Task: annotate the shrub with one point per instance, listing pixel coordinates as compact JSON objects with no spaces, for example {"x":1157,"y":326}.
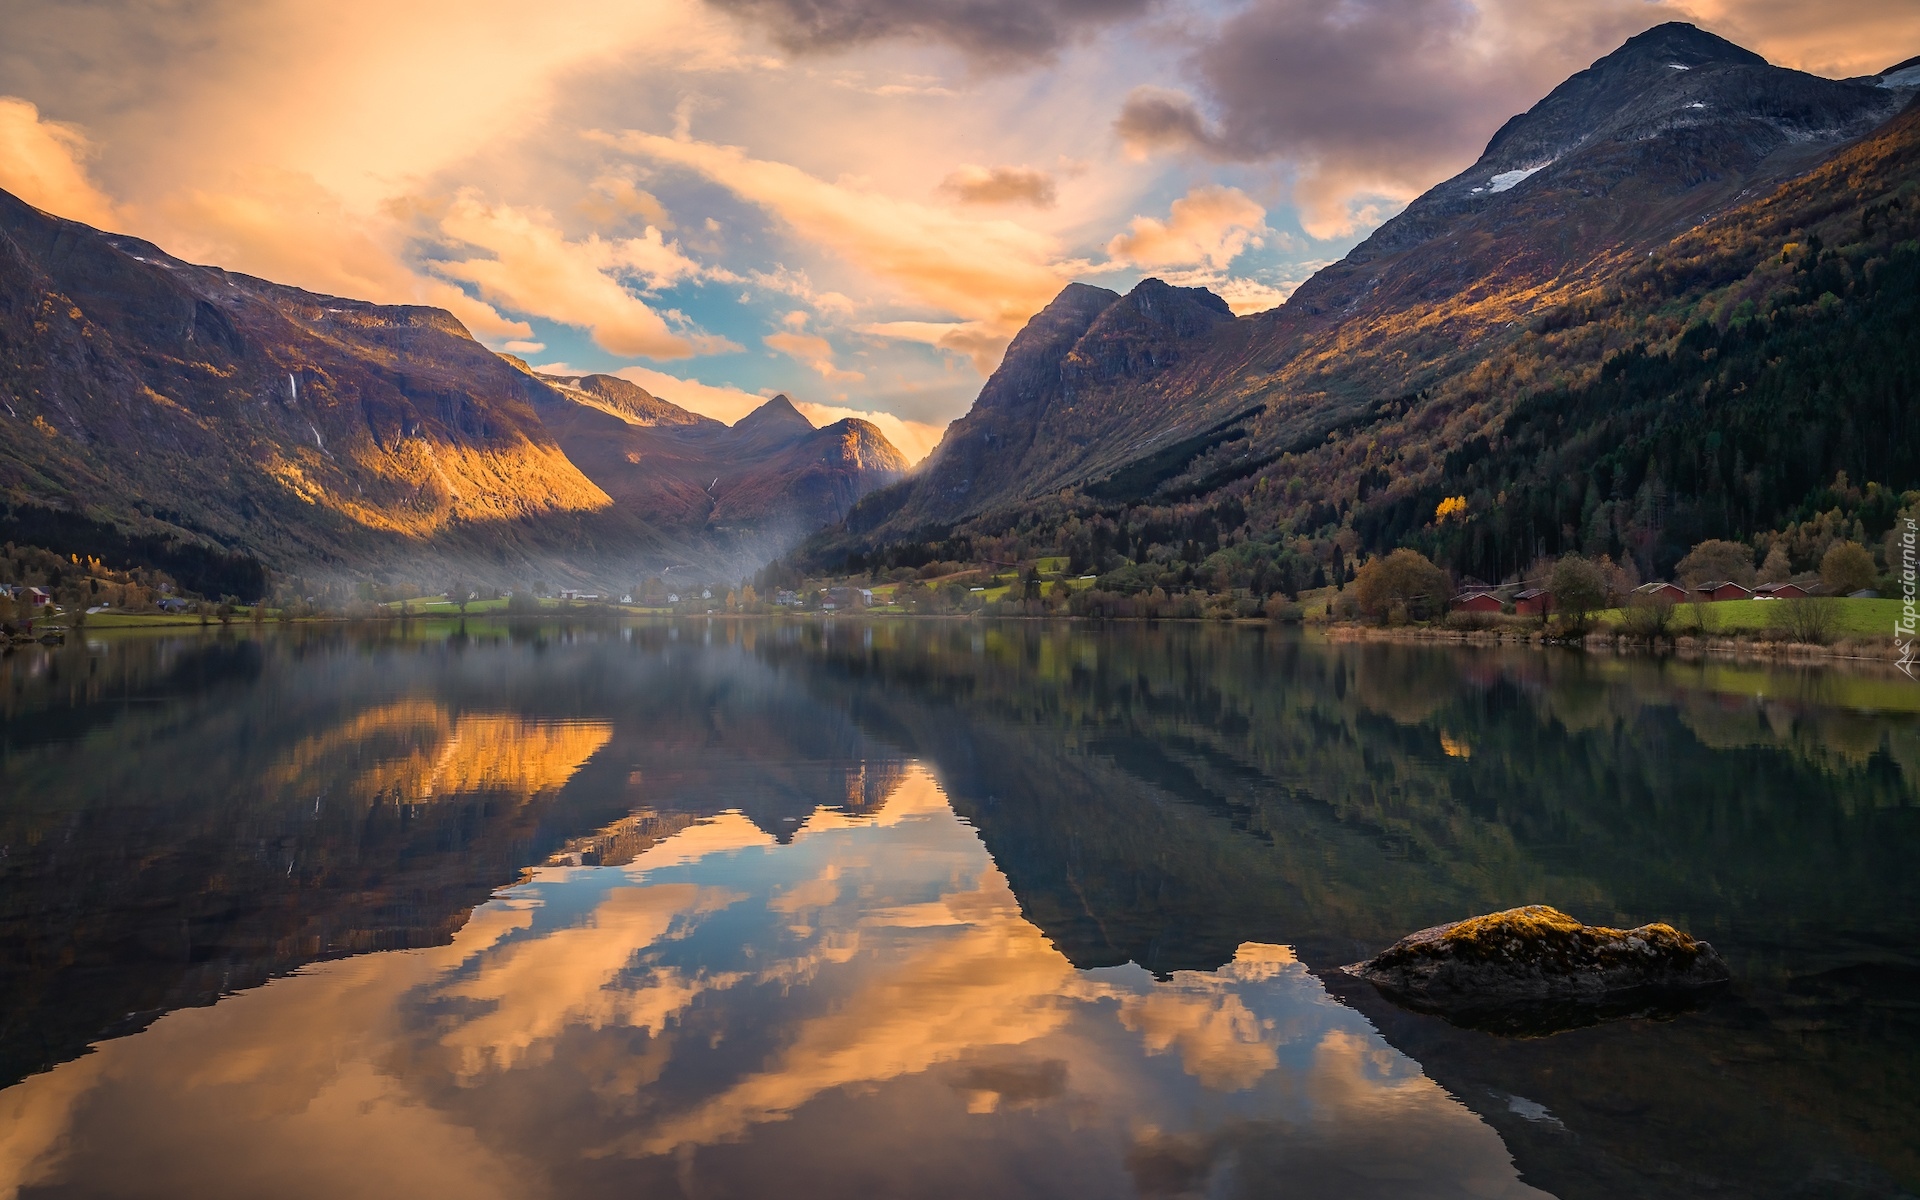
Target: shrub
{"x":1279,"y":608}
{"x":1648,"y":618}
{"x":1810,"y":619}
{"x":1405,"y":580}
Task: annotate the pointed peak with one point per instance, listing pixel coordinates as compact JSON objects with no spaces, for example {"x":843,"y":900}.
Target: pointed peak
{"x":775,"y":413}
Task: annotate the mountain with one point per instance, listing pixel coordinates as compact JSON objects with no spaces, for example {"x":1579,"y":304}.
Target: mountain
{"x":1552,"y":253}
{"x":746,"y":492}
{"x":180,"y":413}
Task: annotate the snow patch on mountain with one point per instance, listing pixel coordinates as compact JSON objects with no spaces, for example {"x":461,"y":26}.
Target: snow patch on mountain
{"x":1506,"y":181}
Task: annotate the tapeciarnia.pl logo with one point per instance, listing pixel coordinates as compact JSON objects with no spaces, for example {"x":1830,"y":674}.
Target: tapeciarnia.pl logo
{"x":1908,"y":622}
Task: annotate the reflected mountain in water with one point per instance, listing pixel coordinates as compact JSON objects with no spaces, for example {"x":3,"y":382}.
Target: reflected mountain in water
{"x":189,"y":817}
{"x":1174,"y":809}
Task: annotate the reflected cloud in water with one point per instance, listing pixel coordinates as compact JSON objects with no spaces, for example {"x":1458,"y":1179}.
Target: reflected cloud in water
{"x":680,"y":1024}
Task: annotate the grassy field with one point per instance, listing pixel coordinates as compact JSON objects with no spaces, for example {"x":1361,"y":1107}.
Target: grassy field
{"x":1852,"y":618}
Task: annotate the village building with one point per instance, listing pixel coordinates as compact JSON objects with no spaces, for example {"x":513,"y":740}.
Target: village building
{"x":1534,"y":602}
{"x":1780,"y":591}
{"x":1722,"y":589}
{"x":1661,"y":590}
{"x":1480,"y":602}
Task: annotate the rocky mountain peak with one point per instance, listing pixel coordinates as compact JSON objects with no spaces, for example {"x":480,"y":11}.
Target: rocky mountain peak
{"x":1147,"y":331}
{"x":1678,"y":42}
{"x":776,"y":414}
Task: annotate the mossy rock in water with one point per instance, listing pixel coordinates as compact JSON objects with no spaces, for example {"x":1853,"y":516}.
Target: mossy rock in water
{"x":1536,"y":970}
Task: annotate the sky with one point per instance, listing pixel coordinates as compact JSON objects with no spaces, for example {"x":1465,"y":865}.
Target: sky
{"x":854,"y":202}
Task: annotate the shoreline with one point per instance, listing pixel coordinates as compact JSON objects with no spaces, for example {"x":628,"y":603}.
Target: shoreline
{"x":1686,"y":646}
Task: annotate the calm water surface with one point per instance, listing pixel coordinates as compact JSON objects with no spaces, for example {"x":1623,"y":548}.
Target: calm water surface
{"x":928,"y":910}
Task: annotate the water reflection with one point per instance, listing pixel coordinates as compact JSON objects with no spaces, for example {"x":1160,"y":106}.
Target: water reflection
{"x":725,"y":1015}
{"x":930,"y":910}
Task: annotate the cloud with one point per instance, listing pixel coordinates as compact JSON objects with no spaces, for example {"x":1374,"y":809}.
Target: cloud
{"x":978,"y":342}
{"x":1245,"y":296}
{"x":611,"y":200}
{"x":1001,"y":185}
{"x":992,"y":32}
{"x":913,"y":439}
{"x":985,"y":270}
{"x":1372,"y":99}
{"x":534,"y":269}
{"x":1837,"y":38}
{"x":211,"y":137}
{"x":1210,"y":225}
{"x":723,"y":403}
{"x":282,"y":225}
{"x":44,"y":163}
{"x":815,"y":352}
{"x":1157,"y":118}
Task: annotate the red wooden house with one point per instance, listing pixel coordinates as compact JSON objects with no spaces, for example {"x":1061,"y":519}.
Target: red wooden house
{"x":1780,"y":591}
{"x":1480,"y":602}
{"x":1669,"y":592}
{"x":1722,"y":589}
{"x":1534,"y":602}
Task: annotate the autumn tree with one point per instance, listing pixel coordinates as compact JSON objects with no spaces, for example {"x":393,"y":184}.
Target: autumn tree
{"x":1777,"y":568}
{"x":1405,"y":578}
{"x":1579,"y":588}
{"x":1847,"y":568}
{"x":1714,"y":560}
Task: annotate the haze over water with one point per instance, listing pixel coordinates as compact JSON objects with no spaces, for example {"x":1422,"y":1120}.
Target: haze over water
{"x":927,"y":909}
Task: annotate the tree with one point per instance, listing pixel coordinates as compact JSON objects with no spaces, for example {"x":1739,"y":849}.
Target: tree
{"x":1777,"y":568}
{"x":1714,"y":560}
{"x":1847,"y":568}
{"x":1029,"y":585}
{"x":1405,"y":577}
{"x":1578,"y":588}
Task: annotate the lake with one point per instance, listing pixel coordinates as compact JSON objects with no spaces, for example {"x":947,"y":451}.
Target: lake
{"x":929,"y":909}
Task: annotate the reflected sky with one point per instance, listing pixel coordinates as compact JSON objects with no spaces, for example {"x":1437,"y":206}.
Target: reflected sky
{"x":861,"y":1010}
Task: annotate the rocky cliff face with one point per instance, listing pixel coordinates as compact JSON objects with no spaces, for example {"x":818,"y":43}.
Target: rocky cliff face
{"x":1081,"y":382}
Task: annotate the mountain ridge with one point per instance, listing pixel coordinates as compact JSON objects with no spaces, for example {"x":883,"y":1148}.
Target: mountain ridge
{"x":1681,"y":128}
{"x":324,"y":436}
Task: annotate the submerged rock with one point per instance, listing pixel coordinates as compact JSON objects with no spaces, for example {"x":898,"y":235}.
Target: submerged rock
{"x":1536,"y":970}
